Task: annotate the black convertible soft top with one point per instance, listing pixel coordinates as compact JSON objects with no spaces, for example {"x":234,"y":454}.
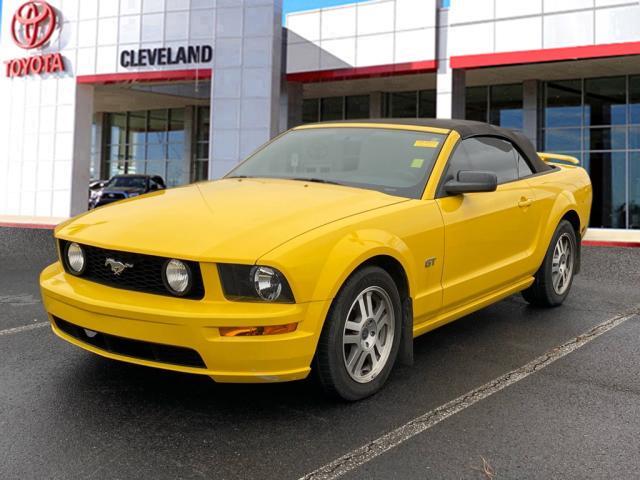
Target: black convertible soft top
{"x":466,"y":129}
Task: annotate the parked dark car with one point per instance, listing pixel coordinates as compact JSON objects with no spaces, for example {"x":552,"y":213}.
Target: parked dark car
{"x":125,"y":186}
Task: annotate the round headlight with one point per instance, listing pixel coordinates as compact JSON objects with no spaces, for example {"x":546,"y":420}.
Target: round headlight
{"x":177,"y":276}
{"x":75,"y":258}
{"x":267,"y":283}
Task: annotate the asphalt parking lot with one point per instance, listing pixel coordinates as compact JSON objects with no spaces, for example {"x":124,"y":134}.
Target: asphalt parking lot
{"x":66,"y":414}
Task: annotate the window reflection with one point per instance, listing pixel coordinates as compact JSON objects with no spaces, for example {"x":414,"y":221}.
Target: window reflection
{"x":335,"y":108}
{"x":608,"y":174}
{"x":605,"y":101}
{"x":591,"y":119}
{"x":566,"y":139}
{"x":331,"y":108}
{"x":563,"y":103}
{"x":410,"y":104}
{"x":147,"y":142}
{"x":634,"y":190}
{"x":505,"y":106}
{"x":476,"y":103}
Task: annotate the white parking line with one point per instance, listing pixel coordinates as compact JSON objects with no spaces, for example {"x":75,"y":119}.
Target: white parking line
{"x":377,"y":447}
{"x":25,"y":328}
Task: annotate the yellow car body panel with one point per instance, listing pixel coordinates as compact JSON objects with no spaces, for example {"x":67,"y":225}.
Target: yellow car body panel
{"x":458,"y":253}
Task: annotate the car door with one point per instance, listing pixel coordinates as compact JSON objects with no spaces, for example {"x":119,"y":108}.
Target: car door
{"x":487,"y":234}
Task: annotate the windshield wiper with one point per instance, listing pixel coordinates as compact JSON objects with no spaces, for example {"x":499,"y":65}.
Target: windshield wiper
{"x":239,"y":176}
{"x":315,"y":180}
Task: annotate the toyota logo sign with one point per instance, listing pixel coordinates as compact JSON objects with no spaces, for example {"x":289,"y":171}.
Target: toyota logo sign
{"x":33,"y":24}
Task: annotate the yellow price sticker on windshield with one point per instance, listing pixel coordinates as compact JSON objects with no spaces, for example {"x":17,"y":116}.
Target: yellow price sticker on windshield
{"x":417,"y":162}
{"x":426,"y":143}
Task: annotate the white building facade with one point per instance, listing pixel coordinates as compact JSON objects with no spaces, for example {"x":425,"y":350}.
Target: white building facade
{"x":187,"y":88}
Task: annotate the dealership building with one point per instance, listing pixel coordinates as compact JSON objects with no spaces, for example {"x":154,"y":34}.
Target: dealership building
{"x":185,"y":89}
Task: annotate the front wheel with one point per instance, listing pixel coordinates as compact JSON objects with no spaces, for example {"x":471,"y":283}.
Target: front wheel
{"x":554,"y":278}
{"x":361,"y":336}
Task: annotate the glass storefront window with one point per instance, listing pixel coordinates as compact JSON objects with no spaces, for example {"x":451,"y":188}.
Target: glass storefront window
{"x":476,"y":103}
{"x":605,"y":138}
{"x":149,"y":142}
{"x":634,"y":190}
{"x":565,"y":139}
{"x":403,"y":104}
{"x":563,"y":102}
{"x":118,"y":128}
{"x":310,"y":110}
{"x":350,"y":107}
{"x":608,"y":174}
{"x":200,"y":156}
{"x":137,"y":127}
{"x":356,"y":106}
{"x":505,"y":106}
{"x":605,"y":101}
{"x":331,"y":108}
{"x":411,"y":104}
{"x":427,"y":104}
{"x":634,"y":99}
{"x":157,"y":129}
{"x":177,"y":133}
{"x":597,"y":120}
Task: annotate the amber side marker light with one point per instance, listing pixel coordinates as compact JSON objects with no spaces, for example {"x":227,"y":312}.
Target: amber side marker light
{"x":256,"y":331}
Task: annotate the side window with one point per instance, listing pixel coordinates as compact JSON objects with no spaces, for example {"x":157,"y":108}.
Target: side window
{"x":484,"y":153}
{"x":524,"y":170}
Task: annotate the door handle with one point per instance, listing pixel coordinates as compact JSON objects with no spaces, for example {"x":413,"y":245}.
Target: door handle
{"x":525,"y":202}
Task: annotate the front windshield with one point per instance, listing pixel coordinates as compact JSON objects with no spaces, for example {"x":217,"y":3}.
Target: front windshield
{"x":128,"y":182}
{"x":397,"y":162}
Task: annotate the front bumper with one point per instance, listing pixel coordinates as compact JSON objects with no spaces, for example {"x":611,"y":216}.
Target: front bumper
{"x":190,"y":324}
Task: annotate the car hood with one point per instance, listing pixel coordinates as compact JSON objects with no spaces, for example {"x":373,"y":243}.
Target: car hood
{"x":226,"y":220}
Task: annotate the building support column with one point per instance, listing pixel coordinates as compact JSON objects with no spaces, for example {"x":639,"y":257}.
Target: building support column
{"x":81,"y":161}
{"x":450,"y":84}
{"x":530,"y":102}
{"x":245,"y":91}
{"x":290,"y":104}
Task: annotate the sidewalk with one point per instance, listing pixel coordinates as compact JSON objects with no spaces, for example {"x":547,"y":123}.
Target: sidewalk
{"x":19,"y":221}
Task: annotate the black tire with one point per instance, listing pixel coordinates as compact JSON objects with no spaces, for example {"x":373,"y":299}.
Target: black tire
{"x":542,"y":292}
{"x":330,"y":360}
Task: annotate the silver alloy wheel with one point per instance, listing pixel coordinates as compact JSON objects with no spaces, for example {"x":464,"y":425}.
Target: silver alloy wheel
{"x":562,"y":264}
{"x":368,"y":333}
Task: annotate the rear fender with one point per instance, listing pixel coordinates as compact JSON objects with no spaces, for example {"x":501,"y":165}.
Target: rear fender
{"x":565,"y":202}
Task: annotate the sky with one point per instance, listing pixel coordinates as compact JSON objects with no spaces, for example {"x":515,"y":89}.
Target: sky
{"x":299,"y":5}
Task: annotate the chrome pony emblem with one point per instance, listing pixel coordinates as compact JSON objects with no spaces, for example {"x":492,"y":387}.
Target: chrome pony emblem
{"x":116,"y":267}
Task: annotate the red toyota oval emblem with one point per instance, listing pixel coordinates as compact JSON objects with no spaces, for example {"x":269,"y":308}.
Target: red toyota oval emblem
{"x":33,"y":24}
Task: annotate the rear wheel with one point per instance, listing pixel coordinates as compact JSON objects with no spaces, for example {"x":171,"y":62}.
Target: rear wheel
{"x":554,"y":278}
{"x":361,"y":336}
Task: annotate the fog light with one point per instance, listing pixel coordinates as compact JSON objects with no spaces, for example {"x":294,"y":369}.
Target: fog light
{"x":177,"y":276}
{"x":256,"y":331}
{"x":75,"y":258}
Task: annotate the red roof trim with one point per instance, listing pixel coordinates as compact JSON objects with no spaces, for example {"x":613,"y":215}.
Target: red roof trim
{"x":426,"y":66}
{"x":545,"y":55}
{"x":154,"y":76}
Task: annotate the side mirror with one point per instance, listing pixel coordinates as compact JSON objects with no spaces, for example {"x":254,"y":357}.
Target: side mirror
{"x":472,"y":181}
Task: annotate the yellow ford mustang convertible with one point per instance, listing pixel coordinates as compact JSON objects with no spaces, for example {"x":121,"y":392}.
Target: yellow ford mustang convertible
{"x":330,"y":249}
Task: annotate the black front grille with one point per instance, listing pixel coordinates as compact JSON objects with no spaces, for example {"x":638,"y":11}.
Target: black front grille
{"x":145,"y":273}
{"x":156,"y":352}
